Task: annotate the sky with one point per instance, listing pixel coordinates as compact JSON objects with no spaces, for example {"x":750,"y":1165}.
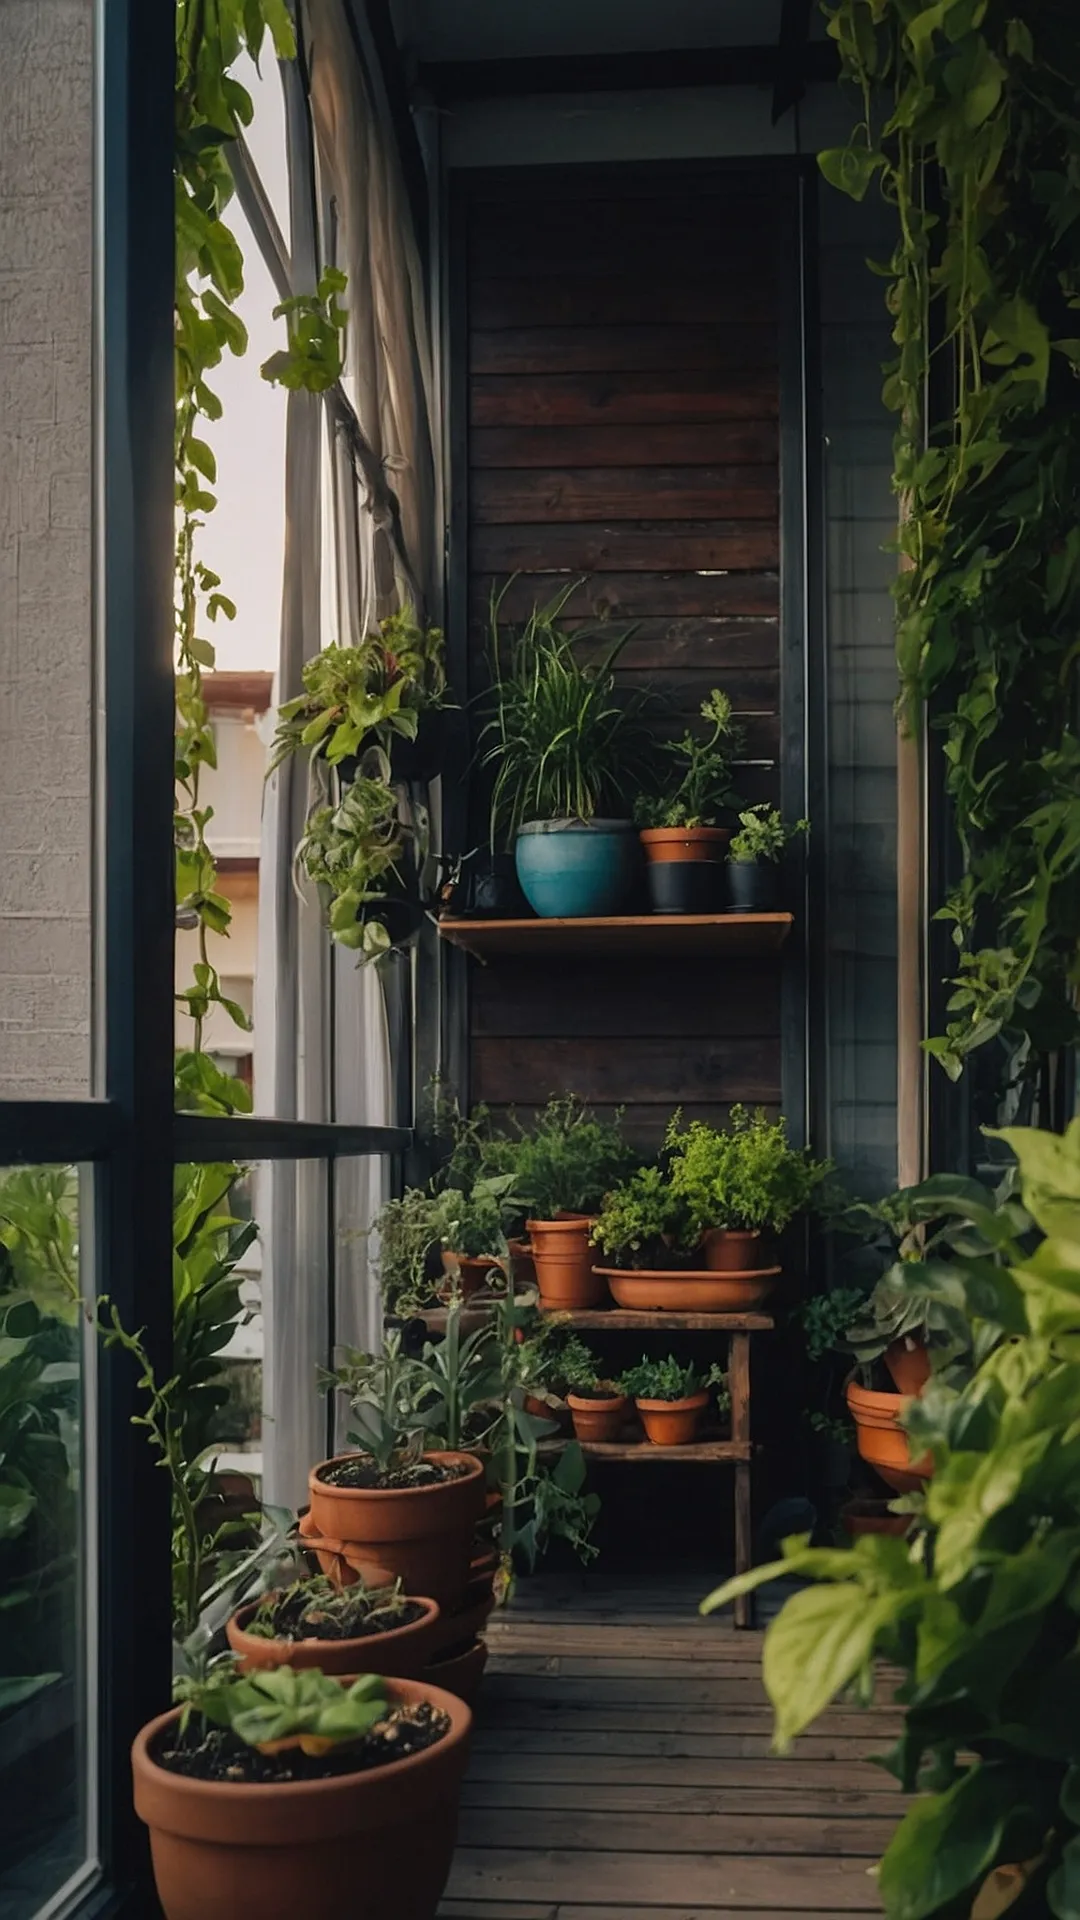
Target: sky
{"x":243,"y":538}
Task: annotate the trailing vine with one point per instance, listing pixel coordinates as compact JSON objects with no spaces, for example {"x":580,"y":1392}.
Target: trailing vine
{"x":971,"y":129}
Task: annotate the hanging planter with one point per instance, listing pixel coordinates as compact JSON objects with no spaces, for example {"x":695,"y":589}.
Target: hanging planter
{"x":881,"y":1440}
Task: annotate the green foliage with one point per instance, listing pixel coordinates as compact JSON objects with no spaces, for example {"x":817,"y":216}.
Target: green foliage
{"x":427,"y":1220}
{"x":39,"y":1254}
{"x":314,"y":1608}
{"x":208,"y":1245}
{"x":746,"y":1176}
{"x":315,"y":324}
{"x":476,"y":1222}
{"x":552,"y":1504}
{"x":969,"y":124}
{"x":826,"y":1317}
{"x":286,"y":1703}
{"x":564,"y":743}
{"x":980,"y":1614}
{"x":700,"y":786}
{"x":918,"y":1295}
{"x":354,"y":849}
{"x":644,"y":1222}
{"x":567,"y":1163}
{"x":449,"y":1397}
{"x":763,"y":835}
{"x":668,"y":1379}
{"x":354,"y":696}
{"x":555,"y":1358}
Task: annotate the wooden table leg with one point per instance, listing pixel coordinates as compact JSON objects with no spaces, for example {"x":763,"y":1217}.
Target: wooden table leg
{"x":739,"y":1389}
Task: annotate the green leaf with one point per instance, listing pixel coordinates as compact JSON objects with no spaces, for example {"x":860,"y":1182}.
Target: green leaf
{"x":947,"y":1843}
{"x":823,"y":1639}
{"x":851,"y":169}
{"x":1063,"y":1891}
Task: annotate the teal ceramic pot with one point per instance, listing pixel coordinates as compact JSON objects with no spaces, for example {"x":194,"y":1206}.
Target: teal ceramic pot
{"x":578,"y":869}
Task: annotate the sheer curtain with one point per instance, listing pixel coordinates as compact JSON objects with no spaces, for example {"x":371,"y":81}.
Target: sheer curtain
{"x":362,"y":533}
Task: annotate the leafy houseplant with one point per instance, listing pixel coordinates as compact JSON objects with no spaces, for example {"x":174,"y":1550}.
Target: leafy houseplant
{"x":683,"y":841}
{"x":302,"y":1790}
{"x":980,"y":1613}
{"x":564,"y":743}
{"x":375,"y":692}
{"x":672,"y":1398}
{"x":644,"y":1222}
{"x":314,"y":1623}
{"x":754,"y":857}
{"x":562,"y":1169}
{"x":741,"y":1181}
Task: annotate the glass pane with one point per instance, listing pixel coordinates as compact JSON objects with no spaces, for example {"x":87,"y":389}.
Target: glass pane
{"x":46,"y":134}
{"x":46,"y":1367}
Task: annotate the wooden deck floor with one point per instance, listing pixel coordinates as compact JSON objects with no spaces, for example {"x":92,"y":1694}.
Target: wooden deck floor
{"x":622,"y":1771}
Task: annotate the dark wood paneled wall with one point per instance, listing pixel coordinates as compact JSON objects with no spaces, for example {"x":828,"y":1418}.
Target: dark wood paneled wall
{"x":623,"y":400}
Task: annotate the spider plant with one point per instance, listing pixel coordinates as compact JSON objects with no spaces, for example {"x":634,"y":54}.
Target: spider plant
{"x":562,"y":739}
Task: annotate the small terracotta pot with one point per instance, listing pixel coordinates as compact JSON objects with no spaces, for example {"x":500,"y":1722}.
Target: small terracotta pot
{"x":667,"y":844}
{"x":345,"y":1845}
{"x":909,"y":1365}
{"x":733,"y":1250}
{"x":873,"y":1516}
{"x":402,"y":1651}
{"x":473,"y":1272}
{"x":672,"y":1423}
{"x":422,"y":1536}
{"x":461,"y":1673}
{"x":881,"y":1440}
{"x":600,"y":1420}
{"x":564,"y":1264}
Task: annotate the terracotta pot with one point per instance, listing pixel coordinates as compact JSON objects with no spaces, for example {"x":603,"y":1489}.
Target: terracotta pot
{"x":685,"y":843}
{"x":346,"y":1845}
{"x":473,"y":1272}
{"x":882,"y":1442}
{"x":731,"y":1250}
{"x":461,"y":1673}
{"x":422,"y":1536}
{"x":703,"y":1292}
{"x":672,"y":1423}
{"x":872,"y":1516}
{"x":402,"y":1651}
{"x":539,"y":1409}
{"x":597,"y":1419}
{"x":908,"y":1365}
{"x":564,"y":1264}
{"x":456,"y":1630}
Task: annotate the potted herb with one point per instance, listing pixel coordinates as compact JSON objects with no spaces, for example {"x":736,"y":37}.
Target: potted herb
{"x":313,"y":1623}
{"x":562,"y":1170}
{"x":740,"y":1181}
{"x":672,"y":1398}
{"x":472,"y":1227}
{"x":290,"y":1791}
{"x":644,"y":1223}
{"x":408,"y":1232}
{"x":684,"y":844}
{"x":394,"y":1510}
{"x":754,"y":858}
{"x":565,"y":746}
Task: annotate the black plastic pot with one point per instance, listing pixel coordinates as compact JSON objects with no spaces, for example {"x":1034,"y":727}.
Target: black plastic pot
{"x":685,"y":886}
{"x":422,"y":758}
{"x":401,"y":918}
{"x":493,"y":889}
{"x":752,"y":886}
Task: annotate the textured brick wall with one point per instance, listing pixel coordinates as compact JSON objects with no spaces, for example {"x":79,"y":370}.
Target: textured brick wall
{"x":45,"y":545}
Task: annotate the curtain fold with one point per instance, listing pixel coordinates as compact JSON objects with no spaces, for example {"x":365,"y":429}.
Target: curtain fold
{"x":368,"y":491}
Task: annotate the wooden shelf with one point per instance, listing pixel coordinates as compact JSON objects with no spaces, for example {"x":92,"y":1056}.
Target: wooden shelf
{"x":698,"y":1452}
{"x":686,"y":936}
{"x":621,"y":1318}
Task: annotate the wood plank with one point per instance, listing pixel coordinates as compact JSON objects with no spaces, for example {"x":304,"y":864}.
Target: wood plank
{"x":644,"y":1453}
{"x":716,"y":443}
{"x":673,"y":1833}
{"x":799,"y":1884}
{"x":505,"y":496}
{"x":644,"y":1125}
{"x":501,"y":1714}
{"x":621,"y":597}
{"x":623,"y":398}
{"x":480,"y":1908}
{"x":649,"y":1070}
{"x":529,"y":999}
{"x":732,"y":652}
{"x":541,"y":350}
{"x":700,"y":293}
{"x":680,"y":935}
{"x":667,"y":1746}
{"x":686,"y":1640}
{"x":642,"y":546}
{"x":718,"y":1773}
{"x":845,"y":1803}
